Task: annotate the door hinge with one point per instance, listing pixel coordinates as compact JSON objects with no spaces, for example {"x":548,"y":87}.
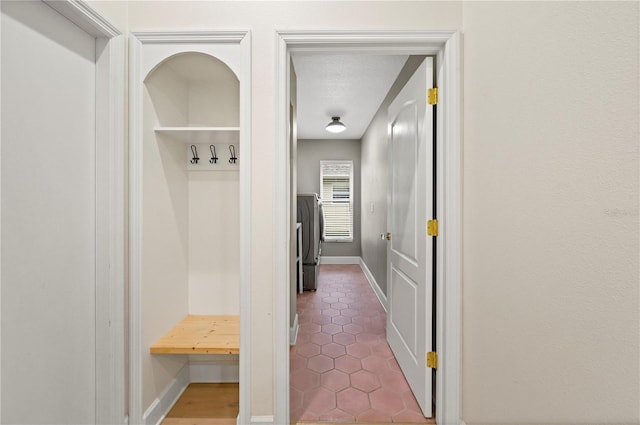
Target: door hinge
{"x":432,"y":360}
{"x":432,"y":227}
{"x":432,"y":96}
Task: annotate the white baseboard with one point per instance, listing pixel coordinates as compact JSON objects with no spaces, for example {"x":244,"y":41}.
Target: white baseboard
{"x":374,"y":285}
{"x":214,"y":369}
{"x":339,"y":260}
{"x":161,"y":406}
{"x":262,"y":420}
{"x":293,"y":331}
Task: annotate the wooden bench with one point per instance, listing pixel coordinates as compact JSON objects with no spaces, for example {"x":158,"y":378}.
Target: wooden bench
{"x":196,"y":334}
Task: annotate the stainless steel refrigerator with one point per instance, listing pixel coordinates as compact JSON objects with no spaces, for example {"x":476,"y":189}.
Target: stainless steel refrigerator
{"x":311,"y":217}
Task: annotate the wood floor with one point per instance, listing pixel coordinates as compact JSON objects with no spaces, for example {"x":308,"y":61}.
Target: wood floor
{"x":205,"y":404}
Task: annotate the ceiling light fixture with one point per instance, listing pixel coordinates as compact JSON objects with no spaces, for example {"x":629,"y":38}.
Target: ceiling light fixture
{"x":335,"y":126}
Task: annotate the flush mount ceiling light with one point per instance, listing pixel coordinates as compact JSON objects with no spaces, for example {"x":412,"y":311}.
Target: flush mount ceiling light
{"x":335,"y":126}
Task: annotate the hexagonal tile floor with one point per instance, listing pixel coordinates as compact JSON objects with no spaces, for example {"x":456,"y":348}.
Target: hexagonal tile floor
{"x":342,"y":369}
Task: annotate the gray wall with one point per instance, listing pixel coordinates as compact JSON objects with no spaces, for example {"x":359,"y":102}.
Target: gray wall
{"x":374,"y":181}
{"x":310,"y":153}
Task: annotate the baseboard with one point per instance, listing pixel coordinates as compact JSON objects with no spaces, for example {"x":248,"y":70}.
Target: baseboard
{"x":161,"y":406}
{"x":293,"y":331}
{"x":262,"y":420}
{"x":374,"y":285}
{"x":214,"y":369}
{"x":339,"y":260}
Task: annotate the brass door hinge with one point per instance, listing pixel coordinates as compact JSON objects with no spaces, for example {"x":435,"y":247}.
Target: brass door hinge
{"x":432,"y":360}
{"x":432,"y":96}
{"x":432,"y":227}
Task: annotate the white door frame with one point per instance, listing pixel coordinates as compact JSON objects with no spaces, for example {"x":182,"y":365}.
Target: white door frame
{"x":110,"y":196}
{"x":446,"y":46}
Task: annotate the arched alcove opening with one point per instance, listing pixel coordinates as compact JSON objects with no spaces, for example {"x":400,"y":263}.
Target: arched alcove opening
{"x":190,"y":271}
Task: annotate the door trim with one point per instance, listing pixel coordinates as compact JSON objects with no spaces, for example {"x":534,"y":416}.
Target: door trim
{"x":446,"y":46}
{"x":110,"y":195}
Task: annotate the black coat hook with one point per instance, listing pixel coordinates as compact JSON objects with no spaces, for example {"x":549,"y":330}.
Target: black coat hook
{"x":234,"y":158}
{"x":194,"y":152}
{"x":214,"y":156}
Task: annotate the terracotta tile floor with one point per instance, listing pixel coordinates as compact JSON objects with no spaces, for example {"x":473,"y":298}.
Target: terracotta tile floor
{"x":342,"y":369}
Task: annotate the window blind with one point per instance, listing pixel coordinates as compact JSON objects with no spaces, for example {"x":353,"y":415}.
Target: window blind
{"x":336,"y":182}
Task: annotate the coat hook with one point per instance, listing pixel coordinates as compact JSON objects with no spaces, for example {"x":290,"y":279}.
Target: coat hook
{"x":194,"y":152}
{"x":232,"y":150}
{"x":214,"y":156}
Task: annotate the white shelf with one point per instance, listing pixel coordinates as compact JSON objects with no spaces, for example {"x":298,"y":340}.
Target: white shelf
{"x":201,"y":134}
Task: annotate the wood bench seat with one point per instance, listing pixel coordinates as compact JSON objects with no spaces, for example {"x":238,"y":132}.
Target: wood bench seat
{"x":197,"y":334}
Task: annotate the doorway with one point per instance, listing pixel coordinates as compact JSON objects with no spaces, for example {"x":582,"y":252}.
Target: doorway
{"x":343,"y":366}
{"x":445,"y":46}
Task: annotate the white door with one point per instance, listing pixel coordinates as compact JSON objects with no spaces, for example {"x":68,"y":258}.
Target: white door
{"x":409,"y":261}
{"x":48,"y":231}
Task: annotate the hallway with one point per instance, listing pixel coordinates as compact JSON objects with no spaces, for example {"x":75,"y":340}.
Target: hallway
{"x":342,"y":369}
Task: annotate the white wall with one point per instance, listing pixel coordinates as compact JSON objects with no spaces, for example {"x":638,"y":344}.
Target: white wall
{"x":116,"y":12}
{"x":165,"y":234}
{"x":214,"y":196}
{"x":214,"y":242}
{"x":310,"y":153}
{"x":550,"y":193}
{"x":551,"y":189}
{"x":48,"y":207}
{"x":263,"y":18}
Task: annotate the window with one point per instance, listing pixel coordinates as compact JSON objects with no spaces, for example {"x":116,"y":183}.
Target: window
{"x":336,"y":183}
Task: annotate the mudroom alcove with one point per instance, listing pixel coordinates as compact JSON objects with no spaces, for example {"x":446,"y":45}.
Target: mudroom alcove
{"x":187,"y":158}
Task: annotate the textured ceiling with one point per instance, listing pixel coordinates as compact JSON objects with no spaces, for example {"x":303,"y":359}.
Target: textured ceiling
{"x":350,"y":86}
